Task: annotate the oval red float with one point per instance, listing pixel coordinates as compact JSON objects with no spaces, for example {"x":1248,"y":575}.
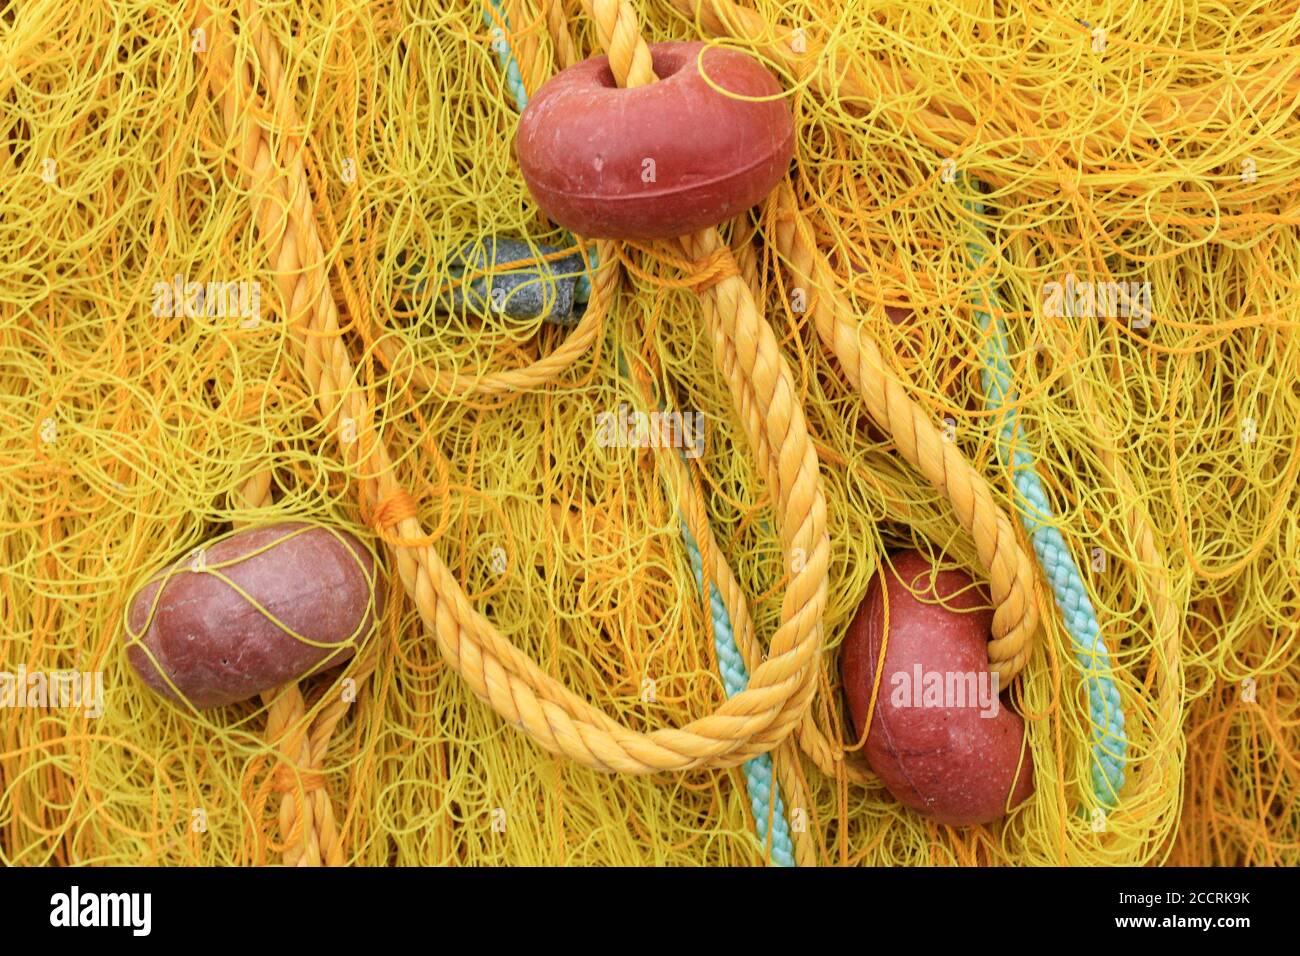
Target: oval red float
{"x":941,"y":739}
{"x":251,"y":611}
{"x":656,"y":161}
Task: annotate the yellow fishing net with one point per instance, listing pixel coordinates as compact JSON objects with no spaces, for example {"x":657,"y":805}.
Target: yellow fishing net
{"x":1129,"y":143}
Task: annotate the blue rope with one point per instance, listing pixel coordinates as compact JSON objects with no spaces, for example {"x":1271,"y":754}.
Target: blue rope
{"x":1109,"y":743}
{"x":763,"y":790}
{"x":759,"y":779}
{"x":515,"y":84}
{"x":509,"y":65}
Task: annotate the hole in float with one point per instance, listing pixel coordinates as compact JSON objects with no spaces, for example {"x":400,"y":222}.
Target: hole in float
{"x":665,"y":63}
{"x":668,"y":62}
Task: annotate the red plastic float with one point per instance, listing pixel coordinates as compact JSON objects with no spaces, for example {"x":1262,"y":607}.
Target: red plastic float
{"x":941,"y":739}
{"x":655,"y":161}
{"x":260,"y":608}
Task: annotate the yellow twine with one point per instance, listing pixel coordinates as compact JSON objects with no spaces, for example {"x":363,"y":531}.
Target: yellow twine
{"x":1164,"y":158}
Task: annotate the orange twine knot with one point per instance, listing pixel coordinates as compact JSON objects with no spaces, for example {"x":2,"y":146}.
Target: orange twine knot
{"x":708,"y":271}
{"x":1069,"y":184}
{"x":702,"y":274}
{"x":393,"y":510}
{"x":290,"y":779}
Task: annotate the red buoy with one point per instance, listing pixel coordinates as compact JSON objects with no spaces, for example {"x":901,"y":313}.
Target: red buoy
{"x":941,"y":739}
{"x":655,"y":161}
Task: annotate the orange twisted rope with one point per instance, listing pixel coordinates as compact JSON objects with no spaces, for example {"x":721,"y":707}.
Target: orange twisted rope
{"x":497,"y":672}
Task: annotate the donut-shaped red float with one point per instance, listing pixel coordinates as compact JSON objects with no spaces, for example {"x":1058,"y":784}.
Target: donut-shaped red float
{"x":941,"y":738}
{"x":655,"y":161}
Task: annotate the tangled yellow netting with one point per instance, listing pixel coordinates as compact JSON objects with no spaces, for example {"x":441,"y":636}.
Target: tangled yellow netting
{"x":1160,"y":150}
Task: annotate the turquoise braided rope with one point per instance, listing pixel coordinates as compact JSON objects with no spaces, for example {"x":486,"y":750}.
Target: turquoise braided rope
{"x":509,"y":65}
{"x":1109,"y":743}
{"x":515,"y":85}
{"x":759,"y":778}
